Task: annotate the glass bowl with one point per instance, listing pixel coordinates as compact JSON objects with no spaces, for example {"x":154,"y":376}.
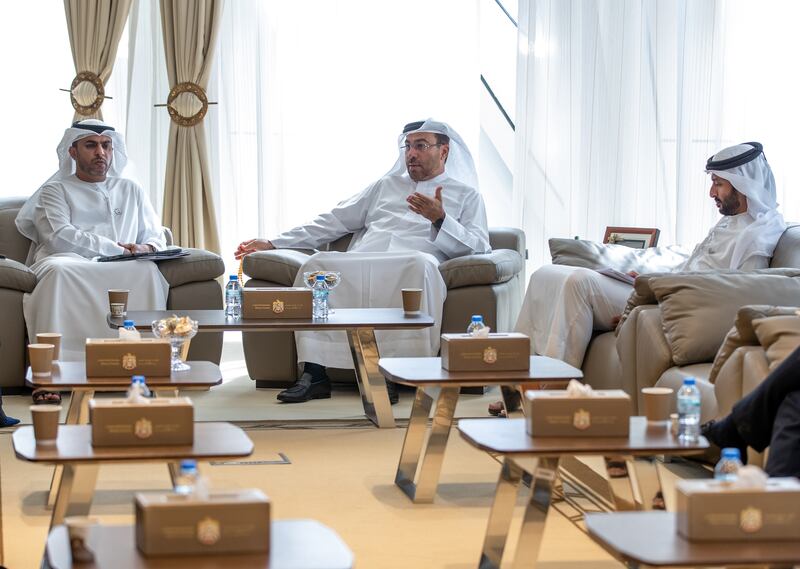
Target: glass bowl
{"x":177,"y":331}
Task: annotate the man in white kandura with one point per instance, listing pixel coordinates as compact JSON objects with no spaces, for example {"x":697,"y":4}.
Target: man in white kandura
{"x":563,"y":304}
{"x":86,"y":210}
{"x":425,"y":210}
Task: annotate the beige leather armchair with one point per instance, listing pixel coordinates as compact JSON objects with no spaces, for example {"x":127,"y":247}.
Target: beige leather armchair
{"x":490,"y":284}
{"x":192,"y":282}
{"x":677,"y":332}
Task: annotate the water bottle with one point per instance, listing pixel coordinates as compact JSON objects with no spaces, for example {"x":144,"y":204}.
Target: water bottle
{"x":689,"y":412}
{"x":128,"y":331}
{"x":136,"y":391}
{"x":186,"y":481}
{"x":319,"y":298}
{"x":233,"y":297}
{"x":476,"y":324}
{"x":143,"y":386}
{"x":727,"y":469}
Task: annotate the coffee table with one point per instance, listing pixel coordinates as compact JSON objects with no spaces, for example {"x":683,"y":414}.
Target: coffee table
{"x":432,"y":381}
{"x":359,"y":323}
{"x":74,"y":451}
{"x":72,"y":375}
{"x":539,"y":458}
{"x":115,"y":546}
{"x":650,"y":539}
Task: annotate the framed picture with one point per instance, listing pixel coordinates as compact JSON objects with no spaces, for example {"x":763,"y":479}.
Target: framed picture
{"x":636,"y":237}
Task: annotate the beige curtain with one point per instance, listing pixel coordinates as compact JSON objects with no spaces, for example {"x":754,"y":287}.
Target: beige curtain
{"x":95,"y":27}
{"x":190,"y":36}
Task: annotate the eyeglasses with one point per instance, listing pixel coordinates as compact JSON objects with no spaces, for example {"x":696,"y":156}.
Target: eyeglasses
{"x":418,"y":146}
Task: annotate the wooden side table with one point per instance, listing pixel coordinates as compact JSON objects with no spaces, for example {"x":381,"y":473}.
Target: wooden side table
{"x":432,"y":381}
{"x":539,"y":458}
{"x":74,"y":451}
{"x":641,"y":539}
{"x":359,"y":323}
{"x":294,"y":544}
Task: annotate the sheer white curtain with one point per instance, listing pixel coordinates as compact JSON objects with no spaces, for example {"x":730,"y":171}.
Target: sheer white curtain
{"x":619,"y":104}
{"x":313,"y":94}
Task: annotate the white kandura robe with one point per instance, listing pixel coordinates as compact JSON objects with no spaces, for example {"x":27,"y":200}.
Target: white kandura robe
{"x":563,"y":305}
{"x":396,"y":248}
{"x":74,"y":221}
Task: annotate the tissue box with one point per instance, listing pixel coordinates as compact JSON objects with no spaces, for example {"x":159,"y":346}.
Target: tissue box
{"x":712,"y":510}
{"x":498,"y":352}
{"x":276,"y":302}
{"x":235,"y":521}
{"x":554,"y":414}
{"x":110,"y":357}
{"x":117,"y":422}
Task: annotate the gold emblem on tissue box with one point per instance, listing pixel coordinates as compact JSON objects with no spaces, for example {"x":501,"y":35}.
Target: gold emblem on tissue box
{"x":208,"y":531}
{"x":143,"y":429}
{"x":582,"y":419}
{"x":751,"y":520}
{"x":277,"y":306}
{"x":129,"y":361}
{"x":490,"y":355}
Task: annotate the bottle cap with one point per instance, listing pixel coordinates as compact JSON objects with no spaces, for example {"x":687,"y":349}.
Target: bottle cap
{"x":127,"y":323}
{"x":188,"y":463}
{"x":320,"y":277}
{"x":477,"y":318}
{"x":731,"y":452}
{"x":233,"y":278}
{"x":689,"y":381}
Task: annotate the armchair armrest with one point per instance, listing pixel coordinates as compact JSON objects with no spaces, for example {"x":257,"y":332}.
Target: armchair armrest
{"x":491,"y":268}
{"x":16,"y":276}
{"x":198,"y":266}
{"x":277,"y":266}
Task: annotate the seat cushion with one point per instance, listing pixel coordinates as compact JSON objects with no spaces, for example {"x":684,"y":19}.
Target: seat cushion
{"x":12,"y":243}
{"x":491,"y":268}
{"x":199,"y":265}
{"x":16,"y":276}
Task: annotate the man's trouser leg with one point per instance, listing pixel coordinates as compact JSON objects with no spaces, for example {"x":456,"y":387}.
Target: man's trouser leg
{"x":755,"y":414}
{"x":784,"y":448}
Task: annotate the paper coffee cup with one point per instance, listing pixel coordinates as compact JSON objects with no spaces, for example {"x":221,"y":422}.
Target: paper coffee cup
{"x":658,"y":403}
{"x":118,"y":296}
{"x":412,"y":300}
{"x":41,"y":358}
{"x":51,"y":338}
{"x":45,"y":423}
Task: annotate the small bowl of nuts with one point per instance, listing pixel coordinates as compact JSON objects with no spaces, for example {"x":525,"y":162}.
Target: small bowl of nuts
{"x":178,"y":330}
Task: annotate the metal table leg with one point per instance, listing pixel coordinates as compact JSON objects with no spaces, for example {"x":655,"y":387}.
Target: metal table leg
{"x":77,"y":414}
{"x":532,"y":531}
{"x":432,"y":456}
{"x":371,"y":383}
{"x":75,"y":493}
{"x":505,"y":498}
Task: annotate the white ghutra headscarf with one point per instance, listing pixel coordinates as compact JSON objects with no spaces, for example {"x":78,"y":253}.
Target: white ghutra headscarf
{"x":746,"y":168}
{"x":66,"y":166}
{"x":459,"y":165}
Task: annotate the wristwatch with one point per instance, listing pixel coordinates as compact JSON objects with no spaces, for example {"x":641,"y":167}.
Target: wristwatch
{"x":438,"y":223}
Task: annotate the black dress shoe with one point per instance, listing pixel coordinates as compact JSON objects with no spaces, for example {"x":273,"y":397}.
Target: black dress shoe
{"x":391,"y":388}
{"x":305,"y":389}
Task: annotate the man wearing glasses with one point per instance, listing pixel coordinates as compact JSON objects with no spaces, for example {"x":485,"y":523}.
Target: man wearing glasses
{"x":425,"y":210}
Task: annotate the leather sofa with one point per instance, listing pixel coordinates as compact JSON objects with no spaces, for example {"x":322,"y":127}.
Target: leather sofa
{"x":491,"y":284}
{"x":675,"y":324}
{"x":192,"y":282}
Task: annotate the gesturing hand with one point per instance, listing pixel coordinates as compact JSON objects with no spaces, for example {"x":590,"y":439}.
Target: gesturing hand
{"x":429,"y":208}
{"x":251,"y":246}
